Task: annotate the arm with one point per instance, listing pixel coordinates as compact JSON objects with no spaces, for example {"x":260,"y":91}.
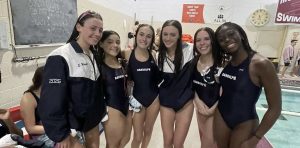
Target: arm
{"x":28,"y":105}
{"x":126,"y":53}
{"x":53,"y":105}
{"x":263,"y":73}
{"x":269,"y":80}
{"x":202,"y":108}
{"x":13,"y":129}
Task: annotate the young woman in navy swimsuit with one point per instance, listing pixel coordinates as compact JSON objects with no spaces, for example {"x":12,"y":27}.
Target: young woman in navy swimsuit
{"x":207,"y":89}
{"x":118,"y":126}
{"x":143,"y":72}
{"x":236,"y":121}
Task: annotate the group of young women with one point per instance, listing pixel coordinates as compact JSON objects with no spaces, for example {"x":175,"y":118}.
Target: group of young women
{"x":90,"y":80}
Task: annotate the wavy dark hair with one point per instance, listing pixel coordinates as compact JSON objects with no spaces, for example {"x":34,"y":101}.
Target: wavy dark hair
{"x":105,"y":35}
{"x":137,"y":31}
{"x":37,"y":79}
{"x":163,"y":49}
{"x":216,"y":51}
{"x":81,"y":20}
{"x":240,"y":30}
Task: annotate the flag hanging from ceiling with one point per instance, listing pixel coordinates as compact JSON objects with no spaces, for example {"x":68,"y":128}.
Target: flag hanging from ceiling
{"x":288,"y":12}
{"x":192,"y":13}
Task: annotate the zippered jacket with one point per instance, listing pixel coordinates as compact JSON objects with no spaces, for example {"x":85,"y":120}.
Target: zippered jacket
{"x":72,"y":94}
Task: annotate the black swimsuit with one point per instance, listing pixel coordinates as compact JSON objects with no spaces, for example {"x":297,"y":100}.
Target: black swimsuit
{"x":145,"y":76}
{"x":237,"y":103}
{"x":37,"y":99}
{"x":114,"y":88}
{"x":206,"y":86}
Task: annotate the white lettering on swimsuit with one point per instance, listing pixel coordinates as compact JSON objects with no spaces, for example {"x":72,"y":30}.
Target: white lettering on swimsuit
{"x":229,"y":76}
{"x":199,"y":83}
{"x":143,"y":69}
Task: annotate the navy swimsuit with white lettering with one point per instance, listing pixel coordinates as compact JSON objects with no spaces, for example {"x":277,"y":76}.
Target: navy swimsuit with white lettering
{"x":206,"y":86}
{"x":239,"y":96}
{"x":114,"y":88}
{"x":145,"y":77}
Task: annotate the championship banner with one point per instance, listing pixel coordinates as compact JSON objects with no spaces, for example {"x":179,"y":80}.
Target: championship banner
{"x":192,"y":13}
{"x":288,"y":12}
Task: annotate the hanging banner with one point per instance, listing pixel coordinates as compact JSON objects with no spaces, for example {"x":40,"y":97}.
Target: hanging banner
{"x":192,"y":13}
{"x":288,"y":12}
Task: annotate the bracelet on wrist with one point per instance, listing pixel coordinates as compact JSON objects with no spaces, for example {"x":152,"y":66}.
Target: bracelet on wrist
{"x":257,"y":136}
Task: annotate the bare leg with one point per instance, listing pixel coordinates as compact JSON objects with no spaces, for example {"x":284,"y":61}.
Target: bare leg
{"x":167,"y":116}
{"x":283,"y":71}
{"x":183,"y":120}
{"x":92,"y":138}
{"x":221,"y":131}
{"x":128,"y":128}
{"x":151,"y":115}
{"x":205,"y":126}
{"x":242,"y":132}
{"x":114,"y":128}
{"x":138,"y":125}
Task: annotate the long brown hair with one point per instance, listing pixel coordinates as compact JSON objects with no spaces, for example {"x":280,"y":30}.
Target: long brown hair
{"x":37,"y":79}
{"x":178,"y":51}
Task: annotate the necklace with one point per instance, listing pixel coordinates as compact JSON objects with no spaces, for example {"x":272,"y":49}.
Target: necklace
{"x":203,"y":67}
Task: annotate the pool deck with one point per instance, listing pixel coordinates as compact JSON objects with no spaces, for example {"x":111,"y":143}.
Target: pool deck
{"x":290,"y":82}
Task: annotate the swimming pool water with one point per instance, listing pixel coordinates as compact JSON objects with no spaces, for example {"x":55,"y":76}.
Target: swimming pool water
{"x":286,"y":132}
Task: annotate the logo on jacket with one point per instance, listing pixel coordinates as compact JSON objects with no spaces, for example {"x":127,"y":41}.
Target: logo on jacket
{"x":54,"y":81}
{"x":82,"y":64}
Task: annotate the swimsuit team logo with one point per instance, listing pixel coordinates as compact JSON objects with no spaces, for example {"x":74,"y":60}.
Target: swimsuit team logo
{"x":199,"y":83}
{"x":54,"y":81}
{"x":120,"y":76}
{"x":143,"y":69}
{"x":229,"y":76}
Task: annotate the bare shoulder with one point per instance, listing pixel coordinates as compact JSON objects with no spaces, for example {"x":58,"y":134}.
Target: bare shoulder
{"x":260,"y":61}
{"x":28,"y":98}
{"x":262,"y":65}
{"x":126,"y":53}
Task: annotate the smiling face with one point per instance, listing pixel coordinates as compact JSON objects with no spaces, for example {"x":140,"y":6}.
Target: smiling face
{"x":229,"y":39}
{"x":170,"y":36}
{"x":144,"y":37}
{"x":203,"y":43}
{"x":90,"y":32}
{"x":111,"y":45}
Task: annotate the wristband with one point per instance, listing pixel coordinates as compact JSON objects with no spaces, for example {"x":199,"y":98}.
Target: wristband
{"x":257,"y":136}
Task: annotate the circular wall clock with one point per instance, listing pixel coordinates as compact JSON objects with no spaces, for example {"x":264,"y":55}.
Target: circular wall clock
{"x":260,"y":17}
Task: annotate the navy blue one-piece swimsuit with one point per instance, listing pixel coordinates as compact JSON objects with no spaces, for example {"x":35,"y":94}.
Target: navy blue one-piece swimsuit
{"x":114,"y":88}
{"x":145,"y":77}
{"x":239,"y":95}
{"x":206,"y":87}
